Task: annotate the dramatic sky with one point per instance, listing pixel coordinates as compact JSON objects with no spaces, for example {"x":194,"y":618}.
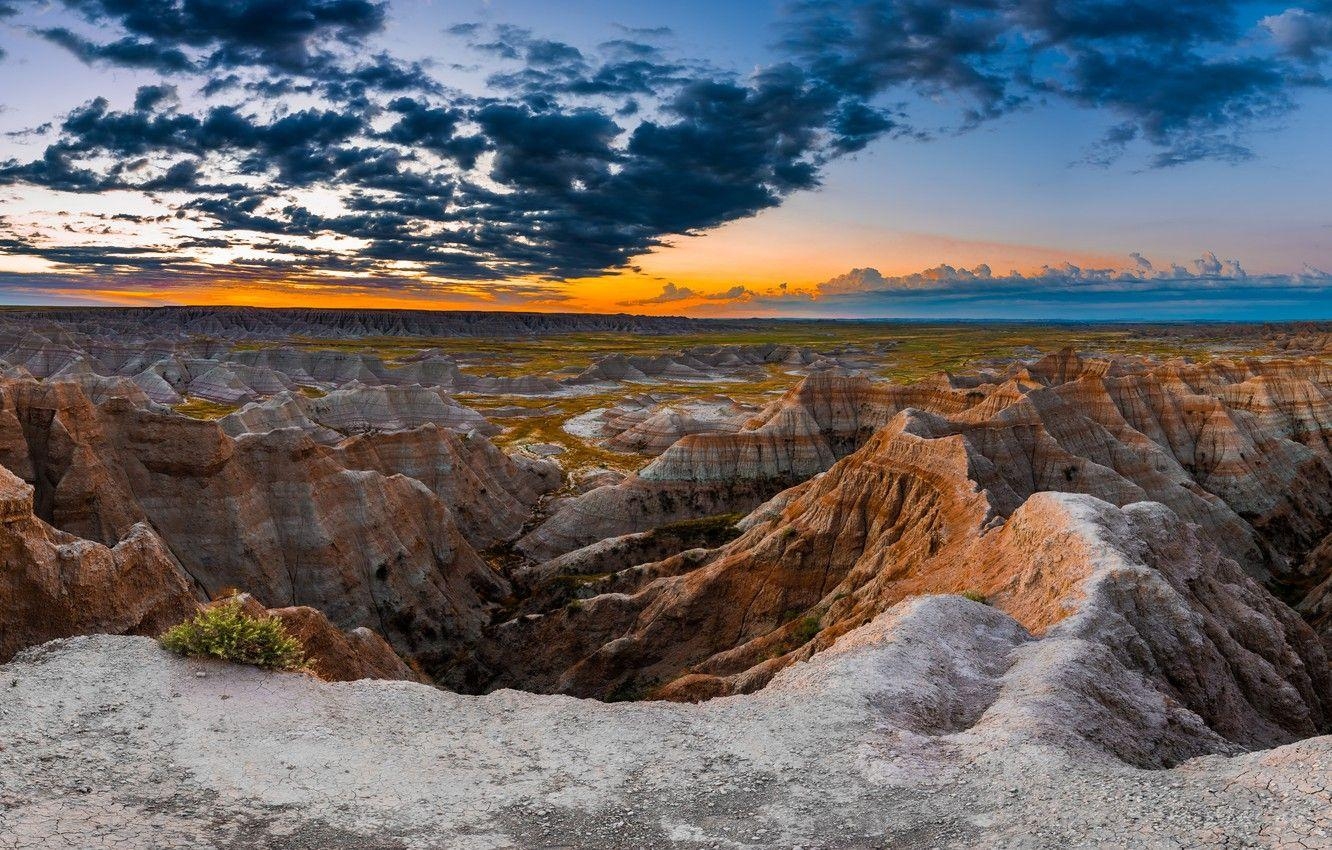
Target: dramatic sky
{"x":1073,"y":159}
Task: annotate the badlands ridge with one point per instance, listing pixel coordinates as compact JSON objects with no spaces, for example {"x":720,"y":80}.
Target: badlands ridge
{"x":1053,"y":600}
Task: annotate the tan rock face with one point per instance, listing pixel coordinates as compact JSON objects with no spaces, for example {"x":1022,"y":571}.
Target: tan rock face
{"x":825,"y":417}
{"x":341,"y":529}
{"x":1178,"y":489}
{"x":55,"y":584}
{"x":942,"y":499}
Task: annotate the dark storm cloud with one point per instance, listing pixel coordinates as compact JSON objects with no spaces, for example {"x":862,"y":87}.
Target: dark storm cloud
{"x":1180,"y":75}
{"x":279,"y":34}
{"x":127,"y":52}
{"x":549,"y":151}
{"x":101,"y":259}
{"x":717,"y":151}
{"x":302,"y":147}
{"x":569,"y":190}
{"x":608,"y":79}
{"x":551,"y":69}
{"x":383,"y":74}
{"x":148,"y":98}
{"x":435,"y":129}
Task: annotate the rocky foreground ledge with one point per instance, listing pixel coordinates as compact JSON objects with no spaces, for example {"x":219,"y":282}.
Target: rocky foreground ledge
{"x":942,"y":723}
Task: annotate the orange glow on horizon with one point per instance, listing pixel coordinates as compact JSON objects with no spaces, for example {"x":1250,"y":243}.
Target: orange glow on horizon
{"x":756,"y":254}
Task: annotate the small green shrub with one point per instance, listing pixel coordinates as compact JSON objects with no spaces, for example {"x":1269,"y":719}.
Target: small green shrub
{"x":805,"y":630}
{"x":976,"y":596}
{"x":707,"y":532}
{"x":631,"y":691}
{"x":226,"y":632}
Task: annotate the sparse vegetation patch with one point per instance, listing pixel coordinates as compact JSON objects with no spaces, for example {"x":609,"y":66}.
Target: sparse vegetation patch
{"x":199,"y":408}
{"x":227,"y":632}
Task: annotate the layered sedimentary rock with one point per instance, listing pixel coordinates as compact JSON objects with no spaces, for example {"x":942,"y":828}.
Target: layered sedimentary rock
{"x":55,"y":584}
{"x":934,"y":502}
{"x":1133,"y":537}
{"x":357,"y":409}
{"x":700,"y":363}
{"x":649,"y":425}
{"x":287,"y":410}
{"x":825,"y":417}
{"x":1123,"y":601}
{"x":341,"y":529}
{"x":490,"y":495}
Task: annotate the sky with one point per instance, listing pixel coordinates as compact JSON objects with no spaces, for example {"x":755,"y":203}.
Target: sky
{"x":1009,"y":159}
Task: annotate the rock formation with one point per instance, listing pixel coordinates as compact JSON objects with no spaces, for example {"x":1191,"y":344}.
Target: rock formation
{"x":937,"y":500}
{"x":825,"y":417}
{"x":649,"y":425}
{"x":1145,"y":548}
{"x":700,"y":363}
{"x":356,"y":409}
{"x":341,"y":528}
{"x":55,"y":584}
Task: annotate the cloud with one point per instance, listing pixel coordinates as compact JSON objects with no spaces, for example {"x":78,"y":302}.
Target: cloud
{"x":1181,"y":76}
{"x":870,"y":280}
{"x":176,"y":35}
{"x":1304,"y":35}
{"x":580,"y":162}
{"x":126,"y":52}
{"x":671,"y":293}
{"x":646,"y":32}
{"x":1207,"y":269}
{"x":580,"y":158}
{"x":1205,"y":288}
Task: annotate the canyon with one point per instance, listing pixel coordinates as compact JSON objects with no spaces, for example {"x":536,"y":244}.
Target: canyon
{"x":609,"y":581}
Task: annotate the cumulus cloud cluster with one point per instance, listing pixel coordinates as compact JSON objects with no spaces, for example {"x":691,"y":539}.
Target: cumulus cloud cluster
{"x":578,"y":159}
{"x":1206,"y":269}
{"x":671,"y":293}
{"x":1206,"y":287}
{"x":869,"y":290}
